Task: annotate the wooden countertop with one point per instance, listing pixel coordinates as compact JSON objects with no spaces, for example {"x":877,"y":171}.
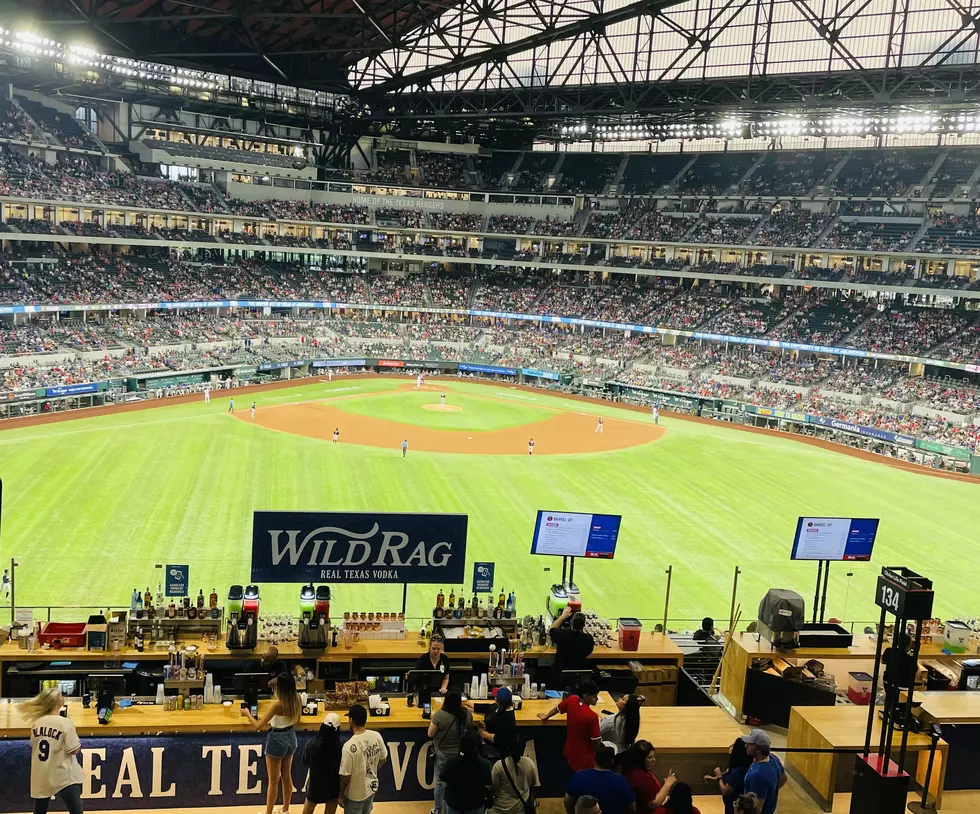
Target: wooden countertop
{"x":652,"y":646}
{"x":670,"y":728}
{"x":844,"y":727}
{"x":863,"y":648}
{"x":950,"y":707}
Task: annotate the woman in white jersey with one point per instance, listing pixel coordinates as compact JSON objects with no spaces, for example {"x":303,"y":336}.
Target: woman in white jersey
{"x":55,"y":770}
{"x":281,"y":717}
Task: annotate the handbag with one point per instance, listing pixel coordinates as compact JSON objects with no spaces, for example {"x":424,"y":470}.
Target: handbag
{"x":530,"y":804}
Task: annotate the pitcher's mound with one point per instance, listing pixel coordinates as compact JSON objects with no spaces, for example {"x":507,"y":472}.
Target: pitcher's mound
{"x":442,"y":408}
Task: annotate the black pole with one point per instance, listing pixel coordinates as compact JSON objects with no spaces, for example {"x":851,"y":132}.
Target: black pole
{"x":816,"y":591}
{"x":923,"y":807}
{"x":564,"y":571}
{"x":823,"y":598}
{"x":874,"y":684}
{"x":891,"y":691}
{"x":571,"y":571}
{"x":405,"y":598}
{"x":907,"y":710}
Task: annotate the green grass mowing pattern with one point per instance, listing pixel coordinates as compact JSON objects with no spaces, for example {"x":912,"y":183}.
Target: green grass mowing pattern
{"x":476,"y":413}
{"x":91,"y":505}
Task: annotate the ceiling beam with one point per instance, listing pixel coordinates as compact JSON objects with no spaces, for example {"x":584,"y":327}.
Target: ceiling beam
{"x":500,"y":52}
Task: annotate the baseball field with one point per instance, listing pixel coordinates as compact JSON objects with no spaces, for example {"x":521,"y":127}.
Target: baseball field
{"x":90,"y":505}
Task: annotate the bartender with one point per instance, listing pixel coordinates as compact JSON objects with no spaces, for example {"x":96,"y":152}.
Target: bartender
{"x":573,"y":645}
{"x":436,"y":659}
{"x":271,"y":663}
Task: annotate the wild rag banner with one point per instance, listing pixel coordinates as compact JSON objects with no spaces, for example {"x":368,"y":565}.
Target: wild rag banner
{"x":358,"y":547}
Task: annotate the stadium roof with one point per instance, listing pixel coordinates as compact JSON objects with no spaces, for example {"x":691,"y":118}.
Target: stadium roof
{"x":454,"y":65}
{"x":305,"y":42}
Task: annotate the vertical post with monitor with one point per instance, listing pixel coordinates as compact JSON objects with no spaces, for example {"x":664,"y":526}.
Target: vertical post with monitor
{"x":570,"y":535}
{"x":832,"y":539}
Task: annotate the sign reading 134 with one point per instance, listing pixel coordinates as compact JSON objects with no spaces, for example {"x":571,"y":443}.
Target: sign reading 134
{"x":904,"y":593}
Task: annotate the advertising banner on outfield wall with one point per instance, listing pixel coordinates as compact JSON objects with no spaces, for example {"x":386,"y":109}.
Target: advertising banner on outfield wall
{"x":22,"y":395}
{"x":339,"y":362}
{"x":503,"y":371}
{"x":358,"y":547}
{"x":71,"y":389}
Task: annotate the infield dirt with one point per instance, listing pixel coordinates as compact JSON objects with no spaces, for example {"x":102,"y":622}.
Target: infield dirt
{"x":565,"y":433}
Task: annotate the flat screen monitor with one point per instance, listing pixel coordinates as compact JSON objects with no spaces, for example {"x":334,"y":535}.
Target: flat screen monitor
{"x":572,"y":534}
{"x":845,"y":539}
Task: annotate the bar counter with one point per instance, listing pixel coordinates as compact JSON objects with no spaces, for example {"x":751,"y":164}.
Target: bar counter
{"x":212,"y":757}
{"x":745,"y":647}
{"x":652,"y":646}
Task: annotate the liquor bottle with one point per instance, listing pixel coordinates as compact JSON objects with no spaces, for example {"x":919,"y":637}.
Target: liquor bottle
{"x":200,"y":599}
{"x":147,"y":599}
{"x":475,"y":605}
{"x":132,"y":600}
{"x":511,"y":603}
{"x":139,"y":601}
{"x":172,"y":610}
{"x":214,"y":598}
{"x":138,"y":639}
{"x":441,"y":599}
{"x":159,"y":601}
{"x":501,"y":600}
{"x":542,"y":633}
{"x":452,"y":598}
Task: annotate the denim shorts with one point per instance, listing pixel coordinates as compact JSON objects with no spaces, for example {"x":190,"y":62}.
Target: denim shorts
{"x":281,"y":743}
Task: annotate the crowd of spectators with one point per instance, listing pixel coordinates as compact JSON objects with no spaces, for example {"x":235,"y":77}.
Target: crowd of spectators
{"x":731,"y":230}
{"x":77,"y":178}
{"x":638,"y":222}
{"x":15,"y":124}
{"x":747,"y":317}
{"x":455,"y":222}
{"x":870,"y":236}
{"x":445,"y":170}
{"x":794,"y":228}
{"x":408,"y":291}
{"x":555,"y":227}
{"x":908,"y":331}
{"x":450,"y":290}
{"x":509,"y":224}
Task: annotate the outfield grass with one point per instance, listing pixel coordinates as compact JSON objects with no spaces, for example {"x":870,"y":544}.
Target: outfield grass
{"x":90,"y":505}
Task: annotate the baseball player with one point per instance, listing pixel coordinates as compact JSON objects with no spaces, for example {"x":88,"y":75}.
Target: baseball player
{"x":530,"y":447}
{"x":442,"y":399}
{"x":656,"y":415}
{"x":336,"y":434}
{"x":405,"y":448}
{"x":207,"y":394}
{"x":231,"y":405}
{"x":252,"y":411}
{"x":598,"y":427}
{"x":329,"y":374}
{"x":418,"y":382}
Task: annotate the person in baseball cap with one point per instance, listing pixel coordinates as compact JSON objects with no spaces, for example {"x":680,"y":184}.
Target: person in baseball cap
{"x":766,"y":775}
{"x":758,"y":737}
{"x":322,"y":758}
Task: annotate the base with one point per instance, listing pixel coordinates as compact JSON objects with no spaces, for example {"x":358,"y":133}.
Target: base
{"x":880,"y":786}
{"x":918,"y":808}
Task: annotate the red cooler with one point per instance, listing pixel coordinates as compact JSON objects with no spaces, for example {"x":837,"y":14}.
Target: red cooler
{"x":629,"y":633}
{"x":859,"y":688}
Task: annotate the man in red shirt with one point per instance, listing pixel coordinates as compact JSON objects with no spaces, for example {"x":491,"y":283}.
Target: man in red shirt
{"x":582,"y":733}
